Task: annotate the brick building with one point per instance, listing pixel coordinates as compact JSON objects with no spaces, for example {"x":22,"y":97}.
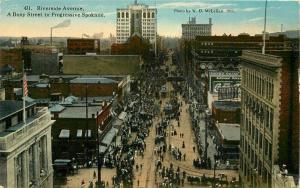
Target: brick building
{"x":270,"y":116}
{"x":73,"y":133}
{"x":42,"y":87}
{"x":226,"y":111}
{"x":11,"y":57}
{"x":83,"y":46}
{"x":135,"y":45}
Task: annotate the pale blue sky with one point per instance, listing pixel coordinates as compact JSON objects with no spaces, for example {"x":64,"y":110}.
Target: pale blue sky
{"x":247,"y":16}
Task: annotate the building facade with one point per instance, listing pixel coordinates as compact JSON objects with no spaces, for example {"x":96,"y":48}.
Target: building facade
{"x":83,"y":46}
{"x":192,"y":29}
{"x":269,"y":118}
{"x":136,"y":19}
{"x":25,"y":150}
{"x":207,"y":53}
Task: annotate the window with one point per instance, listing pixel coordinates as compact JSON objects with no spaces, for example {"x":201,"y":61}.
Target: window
{"x":144,"y":15}
{"x":118,"y":14}
{"x":127,"y":15}
{"x":270,"y":151}
{"x":148,"y":15}
{"x":260,"y":141}
{"x":153,"y":15}
{"x":256,"y":136}
{"x":122,"y":14}
{"x":266,"y":146}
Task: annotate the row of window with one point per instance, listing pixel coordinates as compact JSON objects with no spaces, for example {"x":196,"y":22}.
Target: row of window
{"x":149,"y":31}
{"x":258,"y":82}
{"x":122,"y":20}
{"x":259,"y":110}
{"x":145,"y":28}
{"x":126,"y":35}
{"x":148,"y":34}
{"x":251,"y":174}
{"x":252,"y":154}
{"x":135,"y":15}
{"x":121,"y":30}
{"x":206,"y":51}
{"x":119,"y":24}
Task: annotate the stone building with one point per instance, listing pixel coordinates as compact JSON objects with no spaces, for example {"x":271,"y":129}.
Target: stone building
{"x":25,"y":149}
{"x":270,"y":116}
{"x":192,"y":29}
{"x":136,"y":19}
{"x":206,"y":53}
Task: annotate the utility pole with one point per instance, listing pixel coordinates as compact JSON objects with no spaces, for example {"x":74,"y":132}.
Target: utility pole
{"x":87,"y":123}
{"x":206,"y":145}
{"x":99,"y":157}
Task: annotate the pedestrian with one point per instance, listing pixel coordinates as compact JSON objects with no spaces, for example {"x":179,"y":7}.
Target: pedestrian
{"x":138,"y":183}
{"x":184,"y":157}
{"x":183,"y":145}
{"x":194,"y":149}
{"x":94,"y":174}
{"x":141,"y":165}
{"x":137,"y":167}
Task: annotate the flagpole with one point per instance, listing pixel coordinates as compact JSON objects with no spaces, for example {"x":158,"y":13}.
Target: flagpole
{"x":264,"y":34}
{"x":24,"y":105}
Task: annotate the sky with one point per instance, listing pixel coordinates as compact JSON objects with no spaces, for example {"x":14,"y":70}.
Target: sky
{"x":238,"y":16}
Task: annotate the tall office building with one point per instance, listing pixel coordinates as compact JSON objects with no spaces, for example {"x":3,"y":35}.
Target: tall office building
{"x":136,"y":19}
{"x":269,"y":118}
{"x":25,"y":149}
{"x":192,"y":29}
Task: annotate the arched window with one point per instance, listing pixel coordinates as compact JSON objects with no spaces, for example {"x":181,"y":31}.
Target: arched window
{"x":153,"y":15}
{"x":118,"y":14}
{"x":127,"y":15}
{"x":144,"y":15}
{"x":148,"y":14}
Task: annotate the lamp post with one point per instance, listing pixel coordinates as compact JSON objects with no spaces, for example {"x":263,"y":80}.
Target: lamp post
{"x":206,"y":144}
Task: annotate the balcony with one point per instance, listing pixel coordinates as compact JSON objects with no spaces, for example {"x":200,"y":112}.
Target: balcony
{"x":18,"y":133}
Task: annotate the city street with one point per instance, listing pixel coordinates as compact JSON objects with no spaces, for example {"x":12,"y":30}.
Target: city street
{"x":179,"y":135}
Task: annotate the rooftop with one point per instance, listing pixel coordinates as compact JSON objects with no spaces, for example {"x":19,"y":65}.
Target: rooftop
{"x":227,"y":105}
{"x":229,"y":131}
{"x":265,"y":60}
{"x":9,"y":107}
{"x":93,"y":80}
{"x":78,"y":111}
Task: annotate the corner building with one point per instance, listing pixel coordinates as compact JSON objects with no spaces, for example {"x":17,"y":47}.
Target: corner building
{"x":270,"y":116}
{"x":25,"y":150}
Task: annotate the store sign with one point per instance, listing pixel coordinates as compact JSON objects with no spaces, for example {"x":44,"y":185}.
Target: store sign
{"x":224,"y":79}
{"x":233,"y":92}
